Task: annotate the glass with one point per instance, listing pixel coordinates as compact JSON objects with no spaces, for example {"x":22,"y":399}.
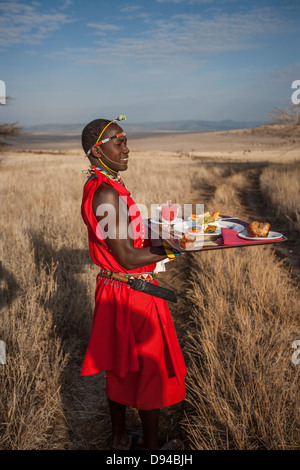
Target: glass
{"x":169,"y":211}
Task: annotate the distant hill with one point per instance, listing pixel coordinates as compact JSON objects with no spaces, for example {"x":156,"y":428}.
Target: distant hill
{"x":55,"y":129}
{"x":171,"y":126}
{"x":194,"y":126}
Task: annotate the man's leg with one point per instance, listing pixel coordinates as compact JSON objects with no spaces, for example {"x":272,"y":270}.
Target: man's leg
{"x":150,"y":423}
{"x":121,"y":440}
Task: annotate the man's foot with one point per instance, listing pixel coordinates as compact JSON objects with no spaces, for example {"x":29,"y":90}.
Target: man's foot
{"x":175,"y":444}
{"x":132,"y":440}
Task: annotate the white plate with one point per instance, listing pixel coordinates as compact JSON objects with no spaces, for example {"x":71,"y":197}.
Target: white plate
{"x":271,"y":236}
{"x":155,"y":220}
{"x":232,"y":225}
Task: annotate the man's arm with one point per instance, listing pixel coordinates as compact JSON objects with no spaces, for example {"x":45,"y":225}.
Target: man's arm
{"x":112,"y":214}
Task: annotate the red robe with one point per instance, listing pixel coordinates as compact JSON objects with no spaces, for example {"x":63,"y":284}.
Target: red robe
{"x":133,"y":337}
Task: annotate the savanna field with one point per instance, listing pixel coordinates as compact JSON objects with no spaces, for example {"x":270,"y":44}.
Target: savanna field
{"x":237,"y":315}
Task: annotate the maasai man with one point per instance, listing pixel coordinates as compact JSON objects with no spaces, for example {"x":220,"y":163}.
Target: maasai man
{"x":133,"y":337}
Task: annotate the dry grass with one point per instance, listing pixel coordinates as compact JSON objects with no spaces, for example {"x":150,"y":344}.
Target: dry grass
{"x":41,"y":252}
{"x":242,"y":384}
{"x":245,"y":316}
{"x":281,"y":185}
{"x":242,"y":313}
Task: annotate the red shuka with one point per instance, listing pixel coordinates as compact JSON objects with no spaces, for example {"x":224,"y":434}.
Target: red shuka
{"x":133,"y":337}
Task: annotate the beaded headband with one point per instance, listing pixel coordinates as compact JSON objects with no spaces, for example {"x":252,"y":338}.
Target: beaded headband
{"x":110,"y":138}
{"x":122,"y":117}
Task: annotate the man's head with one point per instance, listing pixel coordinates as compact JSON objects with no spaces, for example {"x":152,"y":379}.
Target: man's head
{"x":108,"y":146}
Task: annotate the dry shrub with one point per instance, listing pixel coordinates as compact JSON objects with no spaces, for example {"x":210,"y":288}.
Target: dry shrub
{"x":289,"y":115}
{"x":9,"y":130}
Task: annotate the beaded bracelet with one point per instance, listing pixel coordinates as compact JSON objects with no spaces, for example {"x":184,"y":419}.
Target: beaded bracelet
{"x":172,"y":254}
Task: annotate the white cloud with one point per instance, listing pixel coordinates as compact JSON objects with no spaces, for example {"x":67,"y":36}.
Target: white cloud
{"x":222,"y":32}
{"x":278,"y":78}
{"x":65,"y":4}
{"x":130,"y":8}
{"x":189,"y":2}
{"x":103,"y":28}
{"x":22,"y":23}
{"x":184,"y":39}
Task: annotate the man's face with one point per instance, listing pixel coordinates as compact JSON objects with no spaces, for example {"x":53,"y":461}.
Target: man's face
{"x":115,"y":150}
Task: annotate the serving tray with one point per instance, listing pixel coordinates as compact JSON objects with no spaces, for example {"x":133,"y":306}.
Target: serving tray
{"x":160,"y":232}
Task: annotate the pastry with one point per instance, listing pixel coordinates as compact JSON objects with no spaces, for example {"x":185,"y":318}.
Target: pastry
{"x":258,"y":229}
{"x":210,"y":228}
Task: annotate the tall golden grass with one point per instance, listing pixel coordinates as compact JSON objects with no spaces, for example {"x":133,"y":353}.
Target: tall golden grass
{"x":281,"y":186}
{"x":42,"y":257}
{"x":245,"y":317}
{"x":240,"y":313}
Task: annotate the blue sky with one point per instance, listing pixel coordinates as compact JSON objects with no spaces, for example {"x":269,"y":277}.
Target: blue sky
{"x":71,"y":61}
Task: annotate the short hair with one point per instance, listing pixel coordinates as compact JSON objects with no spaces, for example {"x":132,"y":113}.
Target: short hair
{"x":91,"y":133}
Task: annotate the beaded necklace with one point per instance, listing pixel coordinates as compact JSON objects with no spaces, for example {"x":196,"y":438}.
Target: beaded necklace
{"x":108,"y":175}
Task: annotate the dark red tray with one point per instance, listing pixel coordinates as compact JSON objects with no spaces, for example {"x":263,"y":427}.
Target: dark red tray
{"x":209,"y":244}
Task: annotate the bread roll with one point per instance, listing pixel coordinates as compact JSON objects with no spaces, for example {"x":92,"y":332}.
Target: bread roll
{"x":258,"y":229}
